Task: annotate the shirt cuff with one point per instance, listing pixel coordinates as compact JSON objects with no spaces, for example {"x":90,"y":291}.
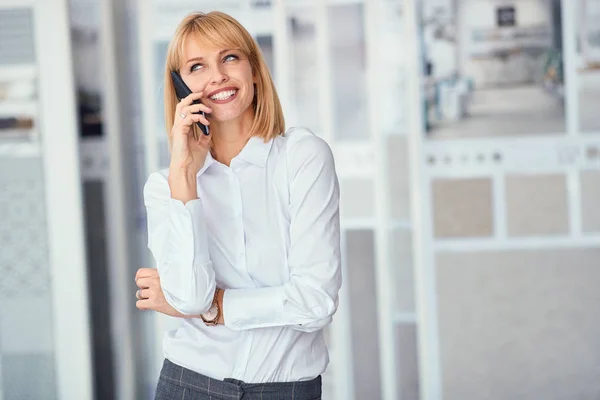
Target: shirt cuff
{"x":253,"y":308}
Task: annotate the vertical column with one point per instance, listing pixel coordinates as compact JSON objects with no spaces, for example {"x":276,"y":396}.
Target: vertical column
{"x":282,"y":56}
{"x":118,"y":221}
{"x":423,"y":258}
{"x":571,"y":78}
{"x":342,"y":360}
{"x":63,"y":202}
{"x":385,"y":309}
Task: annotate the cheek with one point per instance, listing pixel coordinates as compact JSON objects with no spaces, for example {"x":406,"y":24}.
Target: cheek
{"x":197,"y":84}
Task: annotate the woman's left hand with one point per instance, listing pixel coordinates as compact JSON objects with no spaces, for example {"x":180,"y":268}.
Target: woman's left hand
{"x":150,"y":295}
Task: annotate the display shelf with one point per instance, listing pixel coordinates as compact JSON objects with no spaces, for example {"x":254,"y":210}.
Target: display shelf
{"x":10,"y":108}
{"x":17,"y":71}
{"x":21,"y":148}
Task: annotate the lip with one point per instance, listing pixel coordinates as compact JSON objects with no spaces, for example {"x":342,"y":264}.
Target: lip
{"x":221,"y":90}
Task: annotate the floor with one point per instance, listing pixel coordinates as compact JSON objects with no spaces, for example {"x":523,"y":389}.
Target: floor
{"x":589,"y":101}
{"x":506,"y":112}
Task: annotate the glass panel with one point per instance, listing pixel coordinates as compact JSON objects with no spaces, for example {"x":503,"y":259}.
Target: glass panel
{"x":265,"y":42}
{"x":304,"y":67}
{"x":348,"y":63}
{"x":160,"y":54}
{"x":362,"y":286}
{"x":588,"y":63}
{"x":85,"y":26}
{"x":390,"y":35}
{"x":26,"y":334}
{"x":402,"y":268}
{"x":18,"y":78}
{"x":492,"y":69}
{"x":408,"y":361}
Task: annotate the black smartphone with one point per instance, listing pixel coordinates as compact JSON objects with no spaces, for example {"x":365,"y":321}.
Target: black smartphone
{"x":182,"y":91}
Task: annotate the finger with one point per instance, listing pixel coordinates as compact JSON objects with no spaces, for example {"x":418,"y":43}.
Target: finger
{"x":143,"y":294}
{"x":144,"y":283}
{"x":196,"y":108}
{"x":204,"y":141}
{"x":191,"y":119}
{"x":200,"y":118}
{"x":186,"y":101}
{"x":185,"y":120}
{"x":145,"y":272}
{"x":143,"y":304}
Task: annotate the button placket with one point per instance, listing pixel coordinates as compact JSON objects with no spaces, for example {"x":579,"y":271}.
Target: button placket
{"x":242,"y":253}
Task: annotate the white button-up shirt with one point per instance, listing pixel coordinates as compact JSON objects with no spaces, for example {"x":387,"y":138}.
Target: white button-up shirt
{"x":265,"y":229}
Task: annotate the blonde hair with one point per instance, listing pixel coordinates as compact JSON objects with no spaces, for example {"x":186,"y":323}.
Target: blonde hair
{"x":221,"y":30}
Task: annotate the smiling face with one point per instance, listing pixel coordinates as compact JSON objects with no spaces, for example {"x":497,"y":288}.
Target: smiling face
{"x":225,"y":76}
{"x":214,"y":53}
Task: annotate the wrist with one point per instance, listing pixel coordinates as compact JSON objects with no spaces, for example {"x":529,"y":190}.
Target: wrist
{"x":214,"y":316}
{"x":219,"y":299}
{"x":181,"y":174}
{"x":183,"y":185}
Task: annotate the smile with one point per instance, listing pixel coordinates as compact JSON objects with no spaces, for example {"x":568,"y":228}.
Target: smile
{"x":224,"y":95}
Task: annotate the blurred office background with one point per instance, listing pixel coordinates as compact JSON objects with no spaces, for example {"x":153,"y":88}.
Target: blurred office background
{"x":467,"y":143}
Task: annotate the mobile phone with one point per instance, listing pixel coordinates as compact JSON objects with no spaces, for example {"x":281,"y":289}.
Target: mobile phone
{"x":182,"y":91}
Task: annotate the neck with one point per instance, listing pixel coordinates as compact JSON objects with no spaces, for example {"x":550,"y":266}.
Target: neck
{"x":230,"y":137}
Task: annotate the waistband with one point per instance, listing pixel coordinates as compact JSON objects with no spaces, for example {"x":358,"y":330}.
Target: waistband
{"x":236,"y":389}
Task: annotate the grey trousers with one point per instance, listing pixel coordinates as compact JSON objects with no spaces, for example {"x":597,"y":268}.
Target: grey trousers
{"x":178,"y":383}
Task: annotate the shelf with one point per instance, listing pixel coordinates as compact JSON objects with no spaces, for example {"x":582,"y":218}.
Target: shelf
{"x":19,"y":149}
{"x":13,"y":108}
{"x":9,"y":73}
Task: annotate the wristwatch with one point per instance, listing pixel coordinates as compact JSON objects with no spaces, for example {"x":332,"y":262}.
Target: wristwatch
{"x":211,"y":317}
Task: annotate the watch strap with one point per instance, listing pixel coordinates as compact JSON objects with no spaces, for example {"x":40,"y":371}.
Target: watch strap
{"x":215,"y":303}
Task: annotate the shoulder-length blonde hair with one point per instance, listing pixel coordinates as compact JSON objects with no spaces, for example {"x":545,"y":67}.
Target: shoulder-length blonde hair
{"x":221,"y":30}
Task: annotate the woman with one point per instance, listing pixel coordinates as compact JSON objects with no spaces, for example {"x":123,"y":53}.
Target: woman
{"x":244,"y":228}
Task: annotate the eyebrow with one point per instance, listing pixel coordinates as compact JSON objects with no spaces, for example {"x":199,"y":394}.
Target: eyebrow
{"x":202,"y":58}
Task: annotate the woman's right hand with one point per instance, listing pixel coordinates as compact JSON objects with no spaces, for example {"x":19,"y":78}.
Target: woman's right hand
{"x":187,"y":154}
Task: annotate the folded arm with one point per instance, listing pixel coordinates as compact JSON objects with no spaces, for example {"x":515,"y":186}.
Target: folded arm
{"x":309,"y":299}
{"x":177,"y":238}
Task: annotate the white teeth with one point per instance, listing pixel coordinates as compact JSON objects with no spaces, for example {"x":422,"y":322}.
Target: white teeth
{"x":223,"y":95}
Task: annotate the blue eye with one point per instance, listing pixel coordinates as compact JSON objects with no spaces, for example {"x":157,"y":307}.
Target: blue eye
{"x":230,"y":57}
{"x":195,"y":67}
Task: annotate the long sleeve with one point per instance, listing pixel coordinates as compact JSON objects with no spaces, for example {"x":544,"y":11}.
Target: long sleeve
{"x":309,"y":299}
{"x":177,"y":238}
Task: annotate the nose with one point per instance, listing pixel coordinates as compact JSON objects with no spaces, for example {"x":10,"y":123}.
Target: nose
{"x":218,"y":75}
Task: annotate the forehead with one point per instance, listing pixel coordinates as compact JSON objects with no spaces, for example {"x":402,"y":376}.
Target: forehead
{"x":195,"y":47}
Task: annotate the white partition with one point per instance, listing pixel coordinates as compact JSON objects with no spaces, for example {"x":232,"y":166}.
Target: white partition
{"x":44,"y":326}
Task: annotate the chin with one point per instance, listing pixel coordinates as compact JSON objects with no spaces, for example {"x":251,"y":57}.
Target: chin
{"x":228,"y":115}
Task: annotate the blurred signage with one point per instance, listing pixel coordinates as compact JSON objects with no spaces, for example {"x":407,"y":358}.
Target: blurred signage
{"x":506,"y":16}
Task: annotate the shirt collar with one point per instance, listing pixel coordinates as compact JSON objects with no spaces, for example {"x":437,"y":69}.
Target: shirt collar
{"x":207,"y":163}
{"x":256,"y":151}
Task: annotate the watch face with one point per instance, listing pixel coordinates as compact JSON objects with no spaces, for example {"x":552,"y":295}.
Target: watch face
{"x":211,"y":314}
